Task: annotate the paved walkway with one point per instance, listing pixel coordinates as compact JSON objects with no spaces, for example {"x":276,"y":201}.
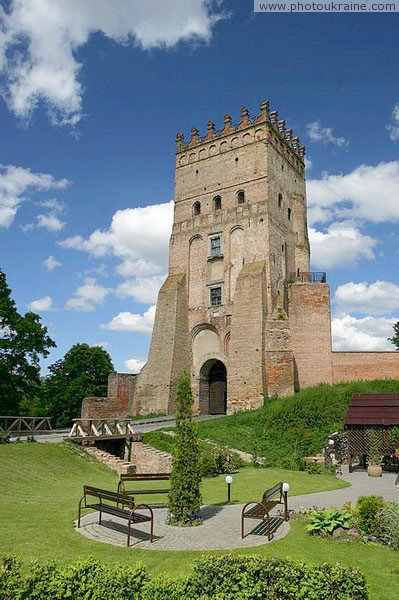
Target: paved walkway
{"x":221,"y":526}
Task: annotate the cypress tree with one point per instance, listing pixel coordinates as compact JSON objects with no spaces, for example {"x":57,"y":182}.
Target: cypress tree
{"x":185,"y":496}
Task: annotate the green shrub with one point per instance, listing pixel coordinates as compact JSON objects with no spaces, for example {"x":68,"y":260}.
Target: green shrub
{"x":216,"y":461}
{"x":10,"y":577}
{"x":227,"y":577}
{"x":323,"y":522}
{"x":367,"y":508}
{"x":82,"y":580}
{"x":315,"y":468}
{"x":388,"y":524}
{"x":4,"y":438}
{"x":165,"y":587}
{"x":232,"y":577}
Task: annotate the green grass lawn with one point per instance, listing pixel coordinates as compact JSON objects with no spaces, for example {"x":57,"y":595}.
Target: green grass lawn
{"x":41,"y":485}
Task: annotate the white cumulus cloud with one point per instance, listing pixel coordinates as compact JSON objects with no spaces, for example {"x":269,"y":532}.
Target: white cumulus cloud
{"x":51,"y":263}
{"x":324,"y":135}
{"x":44,"y":68}
{"x":127,"y":321}
{"x":16,"y":183}
{"x":41,"y":304}
{"x":366,"y":334}
{"x":134,"y":365}
{"x":139,"y":238}
{"x":376,"y":298}
{"x":341,"y":245}
{"x":369,"y":193}
{"x":88,"y":296}
{"x":393,"y":126}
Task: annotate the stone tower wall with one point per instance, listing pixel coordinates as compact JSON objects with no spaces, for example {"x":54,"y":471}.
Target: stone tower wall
{"x":310,"y":320}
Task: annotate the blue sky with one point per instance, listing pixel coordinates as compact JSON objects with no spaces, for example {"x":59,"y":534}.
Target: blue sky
{"x":93,"y":94}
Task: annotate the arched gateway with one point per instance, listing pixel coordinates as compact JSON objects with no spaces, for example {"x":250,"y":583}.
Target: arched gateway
{"x":213,"y":388}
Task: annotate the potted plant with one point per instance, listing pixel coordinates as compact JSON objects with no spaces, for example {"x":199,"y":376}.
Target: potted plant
{"x":374,"y":468}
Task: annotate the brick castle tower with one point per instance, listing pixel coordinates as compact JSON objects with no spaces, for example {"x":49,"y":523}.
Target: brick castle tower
{"x":239,"y":237}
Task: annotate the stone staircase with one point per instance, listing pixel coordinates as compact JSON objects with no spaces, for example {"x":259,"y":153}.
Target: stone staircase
{"x":145,"y":459}
{"x":113,"y":462}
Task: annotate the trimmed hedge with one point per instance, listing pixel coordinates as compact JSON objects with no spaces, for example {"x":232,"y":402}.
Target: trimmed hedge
{"x":228,"y":577}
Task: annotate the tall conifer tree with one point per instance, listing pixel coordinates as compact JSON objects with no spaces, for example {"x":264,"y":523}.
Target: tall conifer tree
{"x":185,"y":496}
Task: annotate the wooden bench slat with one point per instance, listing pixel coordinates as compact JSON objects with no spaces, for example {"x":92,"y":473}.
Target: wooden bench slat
{"x":261,"y":510}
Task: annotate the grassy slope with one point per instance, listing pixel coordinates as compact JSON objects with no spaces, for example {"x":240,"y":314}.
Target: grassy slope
{"x":41,"y":485}
{"x":288,"y":428}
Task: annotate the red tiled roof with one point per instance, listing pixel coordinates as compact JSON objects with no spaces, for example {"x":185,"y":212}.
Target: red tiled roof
{"x":373,"y":409}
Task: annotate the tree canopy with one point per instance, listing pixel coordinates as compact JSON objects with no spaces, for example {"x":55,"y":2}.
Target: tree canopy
{"x":81,"y":373}
{"x":395,"y":338}
{"x":23,"y":340}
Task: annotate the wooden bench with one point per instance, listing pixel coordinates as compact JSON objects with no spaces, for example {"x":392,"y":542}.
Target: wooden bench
{"x":124,"y":478}
{"x":261,"y":510}
{"x":114,"y":504}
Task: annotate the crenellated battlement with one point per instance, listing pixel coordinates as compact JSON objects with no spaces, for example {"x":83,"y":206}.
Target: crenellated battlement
{"x":270,"y":118}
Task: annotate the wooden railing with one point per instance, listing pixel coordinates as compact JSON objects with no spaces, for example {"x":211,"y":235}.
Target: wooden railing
{"x":24,"y":425}
{"x":83,"y":428}
{"x":311,"y":277}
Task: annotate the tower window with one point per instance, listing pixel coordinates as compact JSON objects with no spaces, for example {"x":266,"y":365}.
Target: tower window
{"x":215,"y":296}
{"x":215,"y":245}
{"x":241,"y":197}
{"x":197,"y":208}
{"x":289,"y":214}
{"x":217,"y":203}
{"x":280,"y":200}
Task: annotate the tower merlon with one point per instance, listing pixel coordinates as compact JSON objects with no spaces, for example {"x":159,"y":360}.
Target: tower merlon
{"x":270,"y":118}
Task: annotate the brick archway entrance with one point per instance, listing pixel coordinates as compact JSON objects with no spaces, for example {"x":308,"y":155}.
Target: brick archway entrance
{"x":213,"y":388}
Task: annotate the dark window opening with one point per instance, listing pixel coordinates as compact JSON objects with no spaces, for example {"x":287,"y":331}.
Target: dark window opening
{"x":217,"y":203}
{"x":197,"y":208}
{"x":216,"y":296}
{"x":280,"y":200}
{"x":241,"y":197}
{"x":289,"y":214}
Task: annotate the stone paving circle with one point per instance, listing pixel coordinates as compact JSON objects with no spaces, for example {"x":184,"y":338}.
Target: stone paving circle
{"x":221,"y":530}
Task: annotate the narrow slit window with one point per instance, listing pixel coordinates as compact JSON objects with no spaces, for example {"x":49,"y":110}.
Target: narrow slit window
{"x":241,"y":197}
{"x":289,"y":214}
{"x":217,"y":203}
{"x":280,"y":200}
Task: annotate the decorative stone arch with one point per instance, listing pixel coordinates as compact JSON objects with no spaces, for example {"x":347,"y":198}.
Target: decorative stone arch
{"x":212,"y":150}
{"x":259,"y":134}
{"x":182,"y":160}
{"x":192,"y":157}
{"x":213,"y":387}
{"x":224,"y":146}
{"x":247,"y":138}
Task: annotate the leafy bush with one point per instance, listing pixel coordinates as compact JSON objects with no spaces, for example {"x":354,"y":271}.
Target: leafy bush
{"x":286,"y":429}
{"x":315,"y":468}
{"x":227,"y":577}
{"x":367,"y":508}
{"x":4,"y":438}
{"x":216,"y":461}
{"x":10,"y":577}
{"x":323,"y":522}
{"x":232,"y":577}
{"x":388,"y":524}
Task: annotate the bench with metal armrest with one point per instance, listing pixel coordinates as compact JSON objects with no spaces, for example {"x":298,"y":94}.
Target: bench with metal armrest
{"x":261,"y":510}
{"x":116,"y":504}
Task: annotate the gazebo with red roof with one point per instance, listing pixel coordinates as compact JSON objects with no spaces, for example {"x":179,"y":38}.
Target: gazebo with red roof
{"x":373,"y":417}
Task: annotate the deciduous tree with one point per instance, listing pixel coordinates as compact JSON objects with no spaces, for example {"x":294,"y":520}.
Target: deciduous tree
{"x":395,"y":338}
{"x":82,"y":372}
{"x":23,"y":340}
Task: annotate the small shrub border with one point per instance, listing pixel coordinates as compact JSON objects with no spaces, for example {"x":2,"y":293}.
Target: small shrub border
{"x":227,"y":577}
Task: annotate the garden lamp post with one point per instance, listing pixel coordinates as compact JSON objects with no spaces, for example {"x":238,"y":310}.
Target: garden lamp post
{"x":229,"y":481}
{"x":286,"y":489}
